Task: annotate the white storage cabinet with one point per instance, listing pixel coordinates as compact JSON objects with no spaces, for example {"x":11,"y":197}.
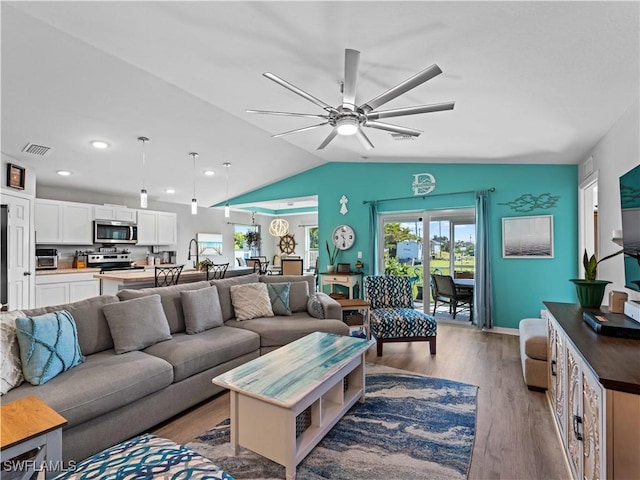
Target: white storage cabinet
{"x":56,"y":289}
{"x":63,"y":223}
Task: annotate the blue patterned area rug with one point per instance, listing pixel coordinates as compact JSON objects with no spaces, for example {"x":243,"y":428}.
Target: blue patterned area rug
{"x":410,"y":427}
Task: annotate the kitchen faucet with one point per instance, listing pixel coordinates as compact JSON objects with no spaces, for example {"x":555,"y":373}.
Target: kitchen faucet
{"x":192,"y":241}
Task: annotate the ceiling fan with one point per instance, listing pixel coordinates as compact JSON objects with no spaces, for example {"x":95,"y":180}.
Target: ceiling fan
{"x":348,"y":118}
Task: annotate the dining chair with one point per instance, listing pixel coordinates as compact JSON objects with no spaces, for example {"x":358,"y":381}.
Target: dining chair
{"x":217,"y":271}
{"x":446,"y":291}
{"x":166,"y":276}
{"x":392,"y":317}
{"x":241,"y":262}
{"x":292,"y":266}
{"x":255,"y":264}
{"x":264,"y":264}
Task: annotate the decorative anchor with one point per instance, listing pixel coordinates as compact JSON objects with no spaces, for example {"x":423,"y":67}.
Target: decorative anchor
{"x":344,"y":200}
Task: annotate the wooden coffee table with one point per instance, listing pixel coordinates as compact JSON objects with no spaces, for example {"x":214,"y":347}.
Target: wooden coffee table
{"x":29,"y":424}
{"x":319,"y":376}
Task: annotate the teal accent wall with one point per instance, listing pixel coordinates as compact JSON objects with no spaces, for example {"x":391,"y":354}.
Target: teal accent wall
{"x":519,"y":285}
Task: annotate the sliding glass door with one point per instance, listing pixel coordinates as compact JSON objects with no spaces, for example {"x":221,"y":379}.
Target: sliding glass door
{"x":418,"y":244}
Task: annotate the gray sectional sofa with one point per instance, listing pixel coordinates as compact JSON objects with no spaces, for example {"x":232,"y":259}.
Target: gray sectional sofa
{"x":111,"y":397}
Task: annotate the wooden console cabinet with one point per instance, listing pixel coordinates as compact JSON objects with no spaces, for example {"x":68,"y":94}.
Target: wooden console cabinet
{"x":594,"y":394}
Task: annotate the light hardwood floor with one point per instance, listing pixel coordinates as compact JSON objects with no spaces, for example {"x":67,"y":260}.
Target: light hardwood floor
{"x":515,"y":435}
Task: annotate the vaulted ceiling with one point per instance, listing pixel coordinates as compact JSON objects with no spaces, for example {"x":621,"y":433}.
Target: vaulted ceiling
{"x":533,"y":82}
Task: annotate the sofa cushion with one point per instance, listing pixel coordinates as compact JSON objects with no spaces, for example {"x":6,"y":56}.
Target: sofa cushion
{"x":191,"y":354}
{"x":224,"y":292}
{"x":278,"y":331}
{"x":299,"y":291}
{"x":251,"y":301}
{"x":170,"y":299}
{"x":93,"y":330}
{"x":137,"y":323}
{"x":48,"y":345}
{"x":11,"y":375}
{"x":102,"y":383}
{"x":279,"y":298}
{"x":201,"y":309}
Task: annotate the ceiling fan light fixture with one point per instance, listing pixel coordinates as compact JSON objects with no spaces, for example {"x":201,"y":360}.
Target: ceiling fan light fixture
{"x":347,"y":126}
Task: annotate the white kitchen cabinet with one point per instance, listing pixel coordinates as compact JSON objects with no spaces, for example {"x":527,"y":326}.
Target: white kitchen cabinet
{"x":83,"y":289}
{"x":110,"y":212}
{"x":147,"y":227}
{"x":63,"y":223}
{"x":167,"y":228}
{"x":52,"y":294}
{"x":157,"y":228}
{"x":56,"y":289}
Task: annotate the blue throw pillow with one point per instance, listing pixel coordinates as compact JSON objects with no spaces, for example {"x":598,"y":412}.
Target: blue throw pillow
{"x":314,"y":306}
{"x":48,"y":345}
{"x":279,"y":296}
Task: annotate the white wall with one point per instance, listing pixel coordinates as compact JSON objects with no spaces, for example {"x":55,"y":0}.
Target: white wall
{"x":616,"y":154}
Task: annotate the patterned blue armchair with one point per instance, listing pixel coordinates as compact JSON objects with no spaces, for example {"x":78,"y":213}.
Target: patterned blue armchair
{"x":393,"y":318}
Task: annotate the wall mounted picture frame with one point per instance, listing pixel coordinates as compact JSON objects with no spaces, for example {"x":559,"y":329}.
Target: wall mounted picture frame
{"x":527,"y":237}
{"x":16,"y":176}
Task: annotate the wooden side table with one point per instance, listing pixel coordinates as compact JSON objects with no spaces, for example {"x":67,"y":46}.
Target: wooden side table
{"x":357,"y":304}
{"x":29,"y":424}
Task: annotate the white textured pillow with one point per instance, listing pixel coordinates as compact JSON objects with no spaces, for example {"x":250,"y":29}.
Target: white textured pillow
{"x":10,"y":352}
{"x":251,"y":301}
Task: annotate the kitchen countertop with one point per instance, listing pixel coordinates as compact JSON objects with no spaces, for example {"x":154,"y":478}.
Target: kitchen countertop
{"x":59,"y":271}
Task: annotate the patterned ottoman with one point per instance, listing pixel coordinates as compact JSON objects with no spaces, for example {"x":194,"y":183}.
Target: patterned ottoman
{"x":145,"y":457}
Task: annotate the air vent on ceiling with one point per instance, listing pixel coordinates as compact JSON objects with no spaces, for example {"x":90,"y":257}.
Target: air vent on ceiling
{"x":402,"y":136}
{"x":35,"y":149}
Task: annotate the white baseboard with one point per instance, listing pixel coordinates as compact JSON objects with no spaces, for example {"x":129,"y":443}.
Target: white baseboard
{"x":503,"y":330}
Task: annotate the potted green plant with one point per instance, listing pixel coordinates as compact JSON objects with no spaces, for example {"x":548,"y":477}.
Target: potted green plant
{"x":252,"y":238}
{"x":333,"y":256}
{"x":590,"y":290}
{"x":202,"y":265}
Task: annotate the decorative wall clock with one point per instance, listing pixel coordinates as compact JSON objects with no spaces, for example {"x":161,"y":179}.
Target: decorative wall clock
{"x":287,"y":244}
{"x":343,"y":237}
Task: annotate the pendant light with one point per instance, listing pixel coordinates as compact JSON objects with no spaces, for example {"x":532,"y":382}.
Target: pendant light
{"x":194,"y":202}
{"x":278,"y":227}
{"x":227,"y":212}
{"x":143,"y":191}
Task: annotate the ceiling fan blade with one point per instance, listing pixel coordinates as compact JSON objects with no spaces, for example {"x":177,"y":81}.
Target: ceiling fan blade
{"x":290,"y":114}
{"x":298,"y":130}
{"x":326,"y":141}
{"x":298,"y":91}
{"x":417,"y":79}
{"x":364,"y":139}
{"x":398,"y":112}
{"x":351,"y":60}
{"x":393,"y":128}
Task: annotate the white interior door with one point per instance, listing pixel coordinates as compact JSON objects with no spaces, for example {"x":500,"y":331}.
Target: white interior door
{"x":19,"y":269}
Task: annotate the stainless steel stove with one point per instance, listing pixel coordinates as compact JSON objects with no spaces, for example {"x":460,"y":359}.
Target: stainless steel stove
{"x":111,"y":261}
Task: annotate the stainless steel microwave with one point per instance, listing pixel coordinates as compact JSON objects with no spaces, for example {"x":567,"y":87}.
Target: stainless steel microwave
{"x":106,"y":231}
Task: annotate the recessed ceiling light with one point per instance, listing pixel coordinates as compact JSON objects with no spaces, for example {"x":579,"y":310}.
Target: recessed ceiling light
{"x":100,"y":144}
{"x":64,"y":173}
{"x":170,"y":190}
{"x":209,"y":173}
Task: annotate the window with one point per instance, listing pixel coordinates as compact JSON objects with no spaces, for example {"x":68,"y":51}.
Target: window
{"x":241,"y":248}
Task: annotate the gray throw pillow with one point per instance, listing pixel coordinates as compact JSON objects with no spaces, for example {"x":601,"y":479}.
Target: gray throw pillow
{"x":314,"y":306}
{"x":298,"y":296}
{"x":201,"y":309}
{"x":279,"y":296}
{"x":136,"y":324}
